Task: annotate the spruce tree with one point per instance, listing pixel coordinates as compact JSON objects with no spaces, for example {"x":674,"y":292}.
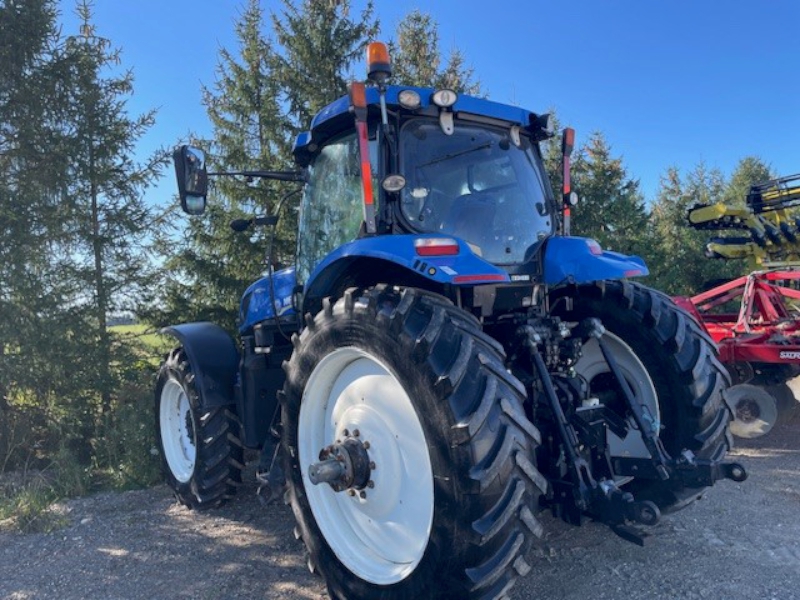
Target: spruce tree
{"x":318,"y":42}
{"x":103,"y":200}
{"x":264,"y":96}
{"x":208,"y":270}
{"x":417,"y":58}
{"x":31,"y":307}
{"x":683,"y":267}
{"x":72,"y":221}
{"x":611,"y":208}
{"x":749,"y":171}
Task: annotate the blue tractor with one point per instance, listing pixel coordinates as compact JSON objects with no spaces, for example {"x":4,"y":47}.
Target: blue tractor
{"x":444,"y":361}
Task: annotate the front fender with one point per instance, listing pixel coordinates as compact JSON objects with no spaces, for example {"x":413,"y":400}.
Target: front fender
{"x":460,"y":269}
{"x":581,"y":260}
{"x":214,"y":360}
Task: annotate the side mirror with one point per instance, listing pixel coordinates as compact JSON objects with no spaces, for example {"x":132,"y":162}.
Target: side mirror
{"x":190,"y":170}
{"x":542,"y":127}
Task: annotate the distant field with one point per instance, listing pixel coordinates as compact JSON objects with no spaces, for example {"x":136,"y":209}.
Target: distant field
{"x":144,"y":334}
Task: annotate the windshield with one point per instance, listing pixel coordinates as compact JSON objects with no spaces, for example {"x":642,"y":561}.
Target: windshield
{"x":475,"y":184}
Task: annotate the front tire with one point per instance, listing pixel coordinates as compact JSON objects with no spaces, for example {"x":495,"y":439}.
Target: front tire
{"x":448,"y":508}
{"x":201,"y":455}
{"x":673,"y":370}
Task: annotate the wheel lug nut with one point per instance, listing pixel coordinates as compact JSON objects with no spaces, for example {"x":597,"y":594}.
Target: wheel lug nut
{"x":363,"y":494}
{"x":366,"y":445}
{"x":346,"y":433}
{"x":372,"y":464}
{"x":351,"y":492}
{"x":370,"y":484}
{"x":356,"y":432}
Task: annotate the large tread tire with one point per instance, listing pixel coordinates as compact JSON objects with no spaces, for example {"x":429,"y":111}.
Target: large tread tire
{"x":481,"y":445}
{"x":216,"y":472}
{"x":682,"y":362}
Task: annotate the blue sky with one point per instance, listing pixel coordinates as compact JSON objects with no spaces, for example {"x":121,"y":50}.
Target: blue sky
{"x":668,"y":83}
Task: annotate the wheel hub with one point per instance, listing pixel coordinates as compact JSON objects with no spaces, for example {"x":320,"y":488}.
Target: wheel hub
{"x":189,"y":425}
{"x":748,"y":410}
{"x":593,"y":368}
{"x":344,"y":465}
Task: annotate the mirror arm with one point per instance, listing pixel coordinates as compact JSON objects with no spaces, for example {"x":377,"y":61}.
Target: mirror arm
{"x":243,"y":224}
{"x":298,"y":176}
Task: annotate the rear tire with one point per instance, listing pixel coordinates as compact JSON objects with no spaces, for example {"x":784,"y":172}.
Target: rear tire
{"x":454,"y":486}
{"x":680,"y":362}
{"x":201,"y":454}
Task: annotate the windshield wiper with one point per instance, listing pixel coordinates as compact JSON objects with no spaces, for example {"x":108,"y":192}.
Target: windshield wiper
{"x":456,"y":154}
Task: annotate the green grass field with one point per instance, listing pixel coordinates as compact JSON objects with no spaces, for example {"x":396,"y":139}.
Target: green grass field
{"x":145,"y":334}
{"x":149,"y":344}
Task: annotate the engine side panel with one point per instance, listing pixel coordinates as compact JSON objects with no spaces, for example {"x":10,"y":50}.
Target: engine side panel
{"x":260,"y":378}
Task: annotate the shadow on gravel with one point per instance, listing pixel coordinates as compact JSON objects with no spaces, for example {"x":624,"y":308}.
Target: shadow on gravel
{"x":142,"y":544}
{"x":742,"y":541}
{"x":739,"y":542}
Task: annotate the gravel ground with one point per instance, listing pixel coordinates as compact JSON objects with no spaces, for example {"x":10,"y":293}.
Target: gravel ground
{"x":742,"y":541}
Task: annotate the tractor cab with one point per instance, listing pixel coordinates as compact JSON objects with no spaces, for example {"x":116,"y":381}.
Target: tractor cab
{"x":434,"y":162}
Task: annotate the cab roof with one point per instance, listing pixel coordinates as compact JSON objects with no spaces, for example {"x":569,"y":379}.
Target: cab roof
{"x":336,"y":117}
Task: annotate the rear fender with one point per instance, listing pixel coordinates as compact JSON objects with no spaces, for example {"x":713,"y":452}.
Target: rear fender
{"x":214,"y":359}
{"x":464,"y":268}
{"x":581,"y":260}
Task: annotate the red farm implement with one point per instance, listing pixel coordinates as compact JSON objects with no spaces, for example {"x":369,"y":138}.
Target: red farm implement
{"x":755,"y":319}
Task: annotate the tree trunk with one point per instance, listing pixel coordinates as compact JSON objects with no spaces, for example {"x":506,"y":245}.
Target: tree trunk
{"x":101,"y":295}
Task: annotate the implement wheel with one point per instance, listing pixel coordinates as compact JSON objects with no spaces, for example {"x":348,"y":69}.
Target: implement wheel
{"x":755,"y":410}
{"x":784,"y":397}
{"x":408,"y":453}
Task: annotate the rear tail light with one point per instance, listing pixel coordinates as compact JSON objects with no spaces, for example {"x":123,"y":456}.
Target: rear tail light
{"x":594,"y":248}
{"x":436,"y":246}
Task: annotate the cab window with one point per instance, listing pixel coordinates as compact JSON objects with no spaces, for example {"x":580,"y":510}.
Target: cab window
{"x":331,"y":211}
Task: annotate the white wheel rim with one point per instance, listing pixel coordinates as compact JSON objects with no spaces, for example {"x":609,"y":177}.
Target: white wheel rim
{"x":592,"y":364}
{"x":177,"y":432}
{"x":755,"y":411}
{"x":380,"y":538}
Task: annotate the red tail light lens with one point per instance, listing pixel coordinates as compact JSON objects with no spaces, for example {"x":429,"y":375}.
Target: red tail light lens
{"x":436,"y":246}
